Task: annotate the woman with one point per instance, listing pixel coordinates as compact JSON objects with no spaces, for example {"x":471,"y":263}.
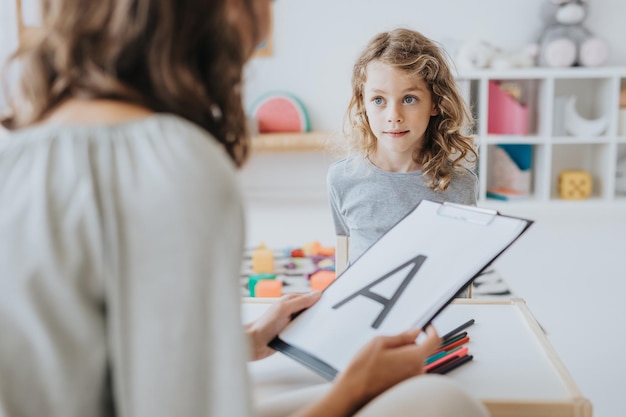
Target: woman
{"x":121,"y":227}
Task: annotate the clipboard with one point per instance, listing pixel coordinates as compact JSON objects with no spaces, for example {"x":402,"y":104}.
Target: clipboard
{"x":404,"y":280}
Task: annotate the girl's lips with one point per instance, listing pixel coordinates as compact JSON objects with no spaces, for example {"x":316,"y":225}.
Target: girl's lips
{"x":396,"y":134}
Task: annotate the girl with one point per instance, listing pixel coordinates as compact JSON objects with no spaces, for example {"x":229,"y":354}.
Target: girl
{"x":406,"y":125}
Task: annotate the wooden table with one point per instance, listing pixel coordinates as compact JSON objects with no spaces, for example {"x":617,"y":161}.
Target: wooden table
{"x":515,"y":371}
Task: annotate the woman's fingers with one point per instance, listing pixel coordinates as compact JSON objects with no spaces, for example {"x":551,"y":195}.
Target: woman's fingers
{"x":400,"y":339}
{"x":297,"y":302}
{"x":431,"y":342}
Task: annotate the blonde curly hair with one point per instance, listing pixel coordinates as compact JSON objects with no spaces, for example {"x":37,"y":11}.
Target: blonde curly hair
{"x":447,"y":142}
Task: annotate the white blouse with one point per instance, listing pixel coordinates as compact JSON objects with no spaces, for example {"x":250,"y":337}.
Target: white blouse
{"x":120,"y":251}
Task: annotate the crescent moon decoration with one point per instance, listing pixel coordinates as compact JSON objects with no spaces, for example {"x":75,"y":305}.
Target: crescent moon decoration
{"x":579,"y":126}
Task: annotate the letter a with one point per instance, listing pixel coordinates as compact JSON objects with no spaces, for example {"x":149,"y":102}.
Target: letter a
{"x":388,"y":303}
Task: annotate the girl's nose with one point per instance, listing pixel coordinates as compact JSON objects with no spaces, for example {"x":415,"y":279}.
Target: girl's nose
{"x":394,"y":115}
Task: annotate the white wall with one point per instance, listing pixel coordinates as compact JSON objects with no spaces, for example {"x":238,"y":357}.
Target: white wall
{"x":316,"y":41}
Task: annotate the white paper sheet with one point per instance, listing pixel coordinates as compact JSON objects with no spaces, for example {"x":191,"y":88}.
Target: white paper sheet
{"x":400,"y":282}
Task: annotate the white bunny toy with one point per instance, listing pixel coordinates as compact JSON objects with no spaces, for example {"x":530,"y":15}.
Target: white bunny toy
{"x":565,"y":42}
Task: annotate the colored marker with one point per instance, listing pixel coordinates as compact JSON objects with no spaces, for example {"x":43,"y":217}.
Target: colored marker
{"x":447,"y":358}
{"x":453,"y":339}
{"x":454,"y":344}
{"x":440,"y":354}
{"x":463,"y":326}
{"x":444,"y":369}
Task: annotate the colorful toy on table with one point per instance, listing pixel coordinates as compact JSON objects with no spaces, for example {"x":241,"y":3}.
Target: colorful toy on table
{"x":321,"y":279}
{"x":315,"y":248}
{"x":262,"y":259}
{"x":292,"y":267}
{"x":325,"y":264}
{"x":253,"y":281}
{"x":268,"y":288}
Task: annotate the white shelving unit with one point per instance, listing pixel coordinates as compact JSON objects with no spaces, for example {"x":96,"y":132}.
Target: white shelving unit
{"x":597,"y":92}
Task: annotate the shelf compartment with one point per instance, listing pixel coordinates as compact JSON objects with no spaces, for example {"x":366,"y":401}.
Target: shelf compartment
{"x":588,"y":157}
{"x":512,"y":107}
{"x":585,"y":103}
{"x":509,"y":172}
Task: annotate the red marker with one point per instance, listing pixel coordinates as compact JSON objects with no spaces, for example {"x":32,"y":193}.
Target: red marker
{"x":453,"y":345}
{"x":447,"y":367}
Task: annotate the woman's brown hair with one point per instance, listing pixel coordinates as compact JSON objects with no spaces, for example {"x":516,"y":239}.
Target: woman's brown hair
{"x":174,"y":56}
{"x":446,"y":142}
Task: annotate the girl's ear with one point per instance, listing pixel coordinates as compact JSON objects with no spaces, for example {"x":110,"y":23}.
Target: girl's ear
{"x":434,"y":111}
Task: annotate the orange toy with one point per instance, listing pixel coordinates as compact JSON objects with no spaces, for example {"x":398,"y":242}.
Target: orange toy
{"x":312,"y":248}
{"x":254,"y":279}
{"x":268,"y":288}
{"x":321,"y":279}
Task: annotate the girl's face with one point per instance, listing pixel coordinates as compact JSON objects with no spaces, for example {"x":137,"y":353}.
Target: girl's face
{"x":398,"y":106}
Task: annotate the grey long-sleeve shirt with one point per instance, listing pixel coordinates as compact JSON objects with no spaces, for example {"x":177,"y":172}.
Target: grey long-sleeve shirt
{"x":366,"y":201}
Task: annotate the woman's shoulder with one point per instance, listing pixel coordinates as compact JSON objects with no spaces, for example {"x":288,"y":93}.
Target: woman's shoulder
{"x":149,"y":149}
{"x":156,"y":131}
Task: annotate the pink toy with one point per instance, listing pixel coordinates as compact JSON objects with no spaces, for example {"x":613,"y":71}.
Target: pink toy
{"x":506,"y":115}
{"x":280,"y":112}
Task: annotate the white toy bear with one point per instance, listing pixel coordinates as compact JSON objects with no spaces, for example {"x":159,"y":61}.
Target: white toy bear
{"x":477,"y":54}
{"x":565,"y":42}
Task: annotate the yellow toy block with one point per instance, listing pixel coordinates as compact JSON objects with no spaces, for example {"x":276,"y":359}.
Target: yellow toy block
{"x":575,"y":184}
{"x":262,"y":259}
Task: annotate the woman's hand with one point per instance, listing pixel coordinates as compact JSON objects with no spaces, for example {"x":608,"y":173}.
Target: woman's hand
{"x":385,"y":362}
{"x":381,"y":364}
{"x":273,"y":321}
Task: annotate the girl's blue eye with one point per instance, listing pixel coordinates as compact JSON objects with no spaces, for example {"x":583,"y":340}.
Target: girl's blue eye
{"x":378,"y":101}
{"x":410,"y":100}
